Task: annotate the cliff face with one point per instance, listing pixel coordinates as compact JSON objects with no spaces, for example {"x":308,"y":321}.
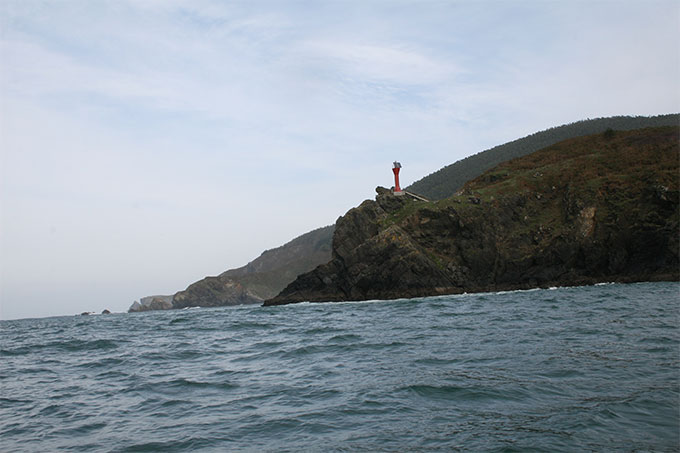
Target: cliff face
{"x":591,"y":209}
{"x":260,"y":279}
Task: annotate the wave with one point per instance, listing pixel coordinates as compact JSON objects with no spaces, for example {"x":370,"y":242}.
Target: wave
{"x":554,"y":371}
{"x":63,"y":345}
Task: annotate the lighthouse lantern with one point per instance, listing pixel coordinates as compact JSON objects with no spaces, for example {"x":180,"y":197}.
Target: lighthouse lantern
{"x":395,"y":169}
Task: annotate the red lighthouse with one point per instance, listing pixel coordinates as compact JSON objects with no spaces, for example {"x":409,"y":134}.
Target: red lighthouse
{"x":395,"y":169}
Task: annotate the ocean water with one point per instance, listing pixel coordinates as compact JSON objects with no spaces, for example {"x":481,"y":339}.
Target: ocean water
{"x":570,"y":369}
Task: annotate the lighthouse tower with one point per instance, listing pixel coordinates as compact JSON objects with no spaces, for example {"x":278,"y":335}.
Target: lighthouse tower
{"x":395,"y":169}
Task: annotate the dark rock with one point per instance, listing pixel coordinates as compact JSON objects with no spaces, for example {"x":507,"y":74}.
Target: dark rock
{"x":106,"y":312}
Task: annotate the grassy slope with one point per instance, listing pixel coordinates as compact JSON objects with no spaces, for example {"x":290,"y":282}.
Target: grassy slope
{"x":622,"y":176}
{"x":445,"y":182}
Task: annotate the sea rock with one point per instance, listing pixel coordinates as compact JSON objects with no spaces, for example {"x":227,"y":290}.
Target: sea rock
{"x":106,"y":312}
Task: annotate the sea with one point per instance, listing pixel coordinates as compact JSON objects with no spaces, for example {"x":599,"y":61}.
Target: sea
{"x":591,"y":368}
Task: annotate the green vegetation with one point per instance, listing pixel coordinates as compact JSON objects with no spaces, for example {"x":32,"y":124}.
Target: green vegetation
{"x":410,"y":206}
{"x":623,"y":176}
{"x":450,"y":179}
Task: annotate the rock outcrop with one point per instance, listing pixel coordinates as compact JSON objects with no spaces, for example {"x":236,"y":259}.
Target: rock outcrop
{"x":214,"y":292}
{"x":152,"y":303}
{"x":586,"y":210}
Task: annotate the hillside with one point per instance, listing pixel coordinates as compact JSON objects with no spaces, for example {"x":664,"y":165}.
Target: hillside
{"x":448,"y":180}
{"x":591,"y":209}
{"x":265,"y":276}
{"x":260,"y":279}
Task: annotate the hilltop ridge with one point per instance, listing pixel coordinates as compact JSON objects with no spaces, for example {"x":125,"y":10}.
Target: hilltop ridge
{"x":448,"y":180}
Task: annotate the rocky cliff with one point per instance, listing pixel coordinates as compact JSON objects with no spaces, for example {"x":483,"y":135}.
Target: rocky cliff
{"x":150,"y":303}
{"x":262,"y":278}
{"x":585,"y":210}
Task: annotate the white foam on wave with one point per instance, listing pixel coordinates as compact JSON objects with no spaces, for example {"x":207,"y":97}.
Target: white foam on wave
{"x":448,"y":296}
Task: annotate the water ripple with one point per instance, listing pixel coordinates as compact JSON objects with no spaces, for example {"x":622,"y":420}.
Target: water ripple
{"x":567,"y":369}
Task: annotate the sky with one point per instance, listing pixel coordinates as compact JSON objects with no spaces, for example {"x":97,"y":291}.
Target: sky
{"x":146,"y":144}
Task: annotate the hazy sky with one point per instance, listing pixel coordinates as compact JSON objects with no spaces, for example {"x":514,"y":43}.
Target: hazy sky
{"x":147,"y":144}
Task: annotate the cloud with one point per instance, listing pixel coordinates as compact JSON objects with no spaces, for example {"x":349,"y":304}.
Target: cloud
{"x":378,"y":63}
